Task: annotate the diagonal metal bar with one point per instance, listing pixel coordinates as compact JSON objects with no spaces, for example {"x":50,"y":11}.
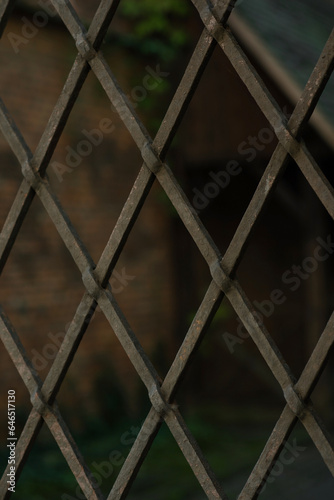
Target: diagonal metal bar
{"x":23,"y":447}
{"x":25,"y":194}
{"x":148,"y":427}
{"x":51,"y":416}
{"x":14,"y":136}
{"x":6,"y":8}
{"x":54,"y":128}
{"x":192,"y":451}
{"x":180,"y":429}
{"x":152,"y":422}
{"x":288,"y":419}
{"x":18,"y":355}
{"x":169,"y":387}
{"x":53,"y":380}
{"x":307,"y":102}
{"x":246,"y":71}
{"x":281,"y":371}
{"x":148,"y":375}
{"x":301,"y":114}
{"x":42,"y":188}
{"x":219,"y":10}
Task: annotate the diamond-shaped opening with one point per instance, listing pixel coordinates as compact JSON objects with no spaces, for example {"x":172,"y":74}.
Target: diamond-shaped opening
{"x":224,"y":131}
{"x":168,"y":278}
{"x":299,"y":471}
{"x":46,"y":473}
{"x":37,"y":53}
{"x":94,"y":167}
{"x":145,"y":47}
{"x":232,"y":440}
{"x":285,"y":286}
{"x":170,"y":478}
{"x":229,"y":370}
{"x":233,"y":398}
{"x":106,"y":447}
{"x":103,"y":401}
{"x":220,"y":208}
{"x":40,"y":287}
{"x":101,"y":383}
{"x":223,"y":154}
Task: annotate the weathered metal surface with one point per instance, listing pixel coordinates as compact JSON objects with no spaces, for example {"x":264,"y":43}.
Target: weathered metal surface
{"x":223,"y":269}
{"x":6,"y":8}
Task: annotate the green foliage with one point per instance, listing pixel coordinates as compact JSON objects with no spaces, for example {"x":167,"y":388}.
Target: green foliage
{"x":155,"y":27}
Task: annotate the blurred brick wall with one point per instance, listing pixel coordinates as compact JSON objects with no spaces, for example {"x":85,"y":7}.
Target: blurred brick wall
{"x":41,"y":286}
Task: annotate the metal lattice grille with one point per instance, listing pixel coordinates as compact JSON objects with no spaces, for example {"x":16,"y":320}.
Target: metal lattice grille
{"x":223,"y":268}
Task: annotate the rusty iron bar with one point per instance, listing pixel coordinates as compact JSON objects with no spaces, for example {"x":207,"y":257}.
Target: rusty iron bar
{"x":6,"y":8}
{"x":288,"y":418}
{"x":51,"y":415}
{"x":169,"y":387}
